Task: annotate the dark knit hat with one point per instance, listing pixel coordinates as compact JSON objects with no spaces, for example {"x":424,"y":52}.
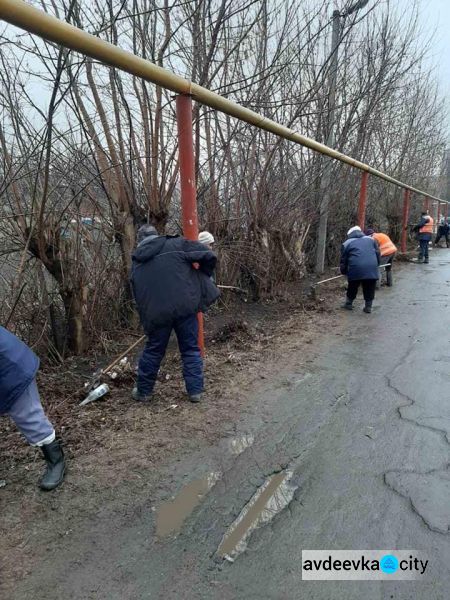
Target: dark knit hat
{"x":145,"y":231}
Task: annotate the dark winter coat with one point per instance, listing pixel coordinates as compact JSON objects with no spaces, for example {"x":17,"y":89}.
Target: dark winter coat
{"x":360,"y":257}
{"x":165,"y":283}
{"x":18,"y":366}
{"x":443,"y":229}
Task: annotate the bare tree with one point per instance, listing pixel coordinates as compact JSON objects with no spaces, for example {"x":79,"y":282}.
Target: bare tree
{"x":93,"y":153}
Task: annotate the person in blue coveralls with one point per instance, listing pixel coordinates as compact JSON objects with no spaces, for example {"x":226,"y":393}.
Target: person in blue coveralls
{"x":19,"y":399}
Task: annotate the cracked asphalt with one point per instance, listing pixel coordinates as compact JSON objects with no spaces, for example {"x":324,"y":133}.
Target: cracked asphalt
{"x":363,"y":422}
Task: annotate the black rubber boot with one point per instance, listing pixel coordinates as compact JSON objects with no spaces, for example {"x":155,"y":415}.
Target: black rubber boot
{"x":368,"y":307}
{"x":56,"y":466}
{"x":144,"y":399}
{"x":195,"y":398}
{"x":389,"y":278}
{"x":348,"y":304}
{"x":426,"y":261}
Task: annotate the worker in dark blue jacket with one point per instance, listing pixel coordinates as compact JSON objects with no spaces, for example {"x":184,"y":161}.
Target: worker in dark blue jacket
{"x":360,"y":258}
{"x":443,"y":231}
{"x":171,"y":279}
{"x":19,"y":398}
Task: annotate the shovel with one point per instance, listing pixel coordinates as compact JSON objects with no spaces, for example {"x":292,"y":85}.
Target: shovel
{"x":312,"y":288}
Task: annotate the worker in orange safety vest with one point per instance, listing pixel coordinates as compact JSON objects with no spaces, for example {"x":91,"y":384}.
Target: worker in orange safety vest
{"x":387,"y":251}
{"x":425,"y":229}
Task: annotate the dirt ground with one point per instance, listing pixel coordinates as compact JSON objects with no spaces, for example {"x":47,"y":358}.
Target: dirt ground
{"x":116,"y":447}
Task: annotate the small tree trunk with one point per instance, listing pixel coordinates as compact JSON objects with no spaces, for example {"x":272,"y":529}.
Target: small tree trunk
{"x":127,"y":238}
{"x":75,"y":301}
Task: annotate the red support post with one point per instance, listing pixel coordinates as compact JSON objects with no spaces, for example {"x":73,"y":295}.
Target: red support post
{"x":427,"y":203}
{"x":363,"y":200}
{"x":438,"y":210}
{"x":446,"y":210}
{"x":406,"y":198}
{"x":187,"y":167}
{"x":186,"y":163}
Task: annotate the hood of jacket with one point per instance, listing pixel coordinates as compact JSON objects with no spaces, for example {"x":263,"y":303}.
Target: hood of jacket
{"x":149,"y":248}
{"x":356,"y":234}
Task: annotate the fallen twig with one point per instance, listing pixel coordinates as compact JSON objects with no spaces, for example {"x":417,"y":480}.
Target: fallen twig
{"x":232,"y":287}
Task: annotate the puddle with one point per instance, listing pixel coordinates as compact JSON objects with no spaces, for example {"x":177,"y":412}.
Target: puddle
{"x":172,"y":514}
{"x":238,"y":445}
{"x":270,"y":499}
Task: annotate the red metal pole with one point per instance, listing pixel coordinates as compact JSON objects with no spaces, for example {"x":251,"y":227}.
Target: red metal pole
{"x":438,"y":210}
{"x":427,"y":203}
{"x":186,"y":163}
{"x":187,"y":167}
{"x":446,"y":210}
{"x":363,"y":200}
{"x":406,"y":198}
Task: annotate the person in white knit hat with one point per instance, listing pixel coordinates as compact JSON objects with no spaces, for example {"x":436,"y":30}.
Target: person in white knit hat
{"x":360,"y":257}
{"x":206,"y":238}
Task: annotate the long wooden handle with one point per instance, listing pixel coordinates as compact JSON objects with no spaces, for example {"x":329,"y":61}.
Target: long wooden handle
{"x":116,"y":360}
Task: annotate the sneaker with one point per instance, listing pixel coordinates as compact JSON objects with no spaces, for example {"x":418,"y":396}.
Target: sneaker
{"x":136,"y":396}
{"x":195,"y":398}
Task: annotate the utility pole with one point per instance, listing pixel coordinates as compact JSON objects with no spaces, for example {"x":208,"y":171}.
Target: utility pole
{"x":328,"y":166}
{"x":337,"y":20}
{"x":447,"y":174}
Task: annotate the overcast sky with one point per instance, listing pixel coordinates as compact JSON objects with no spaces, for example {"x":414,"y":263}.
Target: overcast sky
{"x":435,"y":17}
{"x":435,"y":23}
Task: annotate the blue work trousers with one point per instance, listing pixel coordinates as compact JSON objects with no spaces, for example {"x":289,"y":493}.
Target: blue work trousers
{"x":186,"y":329}
{"x":423,"y":252}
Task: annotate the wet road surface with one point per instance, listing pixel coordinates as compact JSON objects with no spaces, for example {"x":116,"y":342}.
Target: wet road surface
{"x":348,"y":449}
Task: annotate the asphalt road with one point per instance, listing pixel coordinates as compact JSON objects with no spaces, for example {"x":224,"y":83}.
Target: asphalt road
{"x":361,"y":428}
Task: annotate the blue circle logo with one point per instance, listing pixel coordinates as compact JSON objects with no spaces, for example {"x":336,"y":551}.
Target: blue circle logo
{"x":389,"y":563}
